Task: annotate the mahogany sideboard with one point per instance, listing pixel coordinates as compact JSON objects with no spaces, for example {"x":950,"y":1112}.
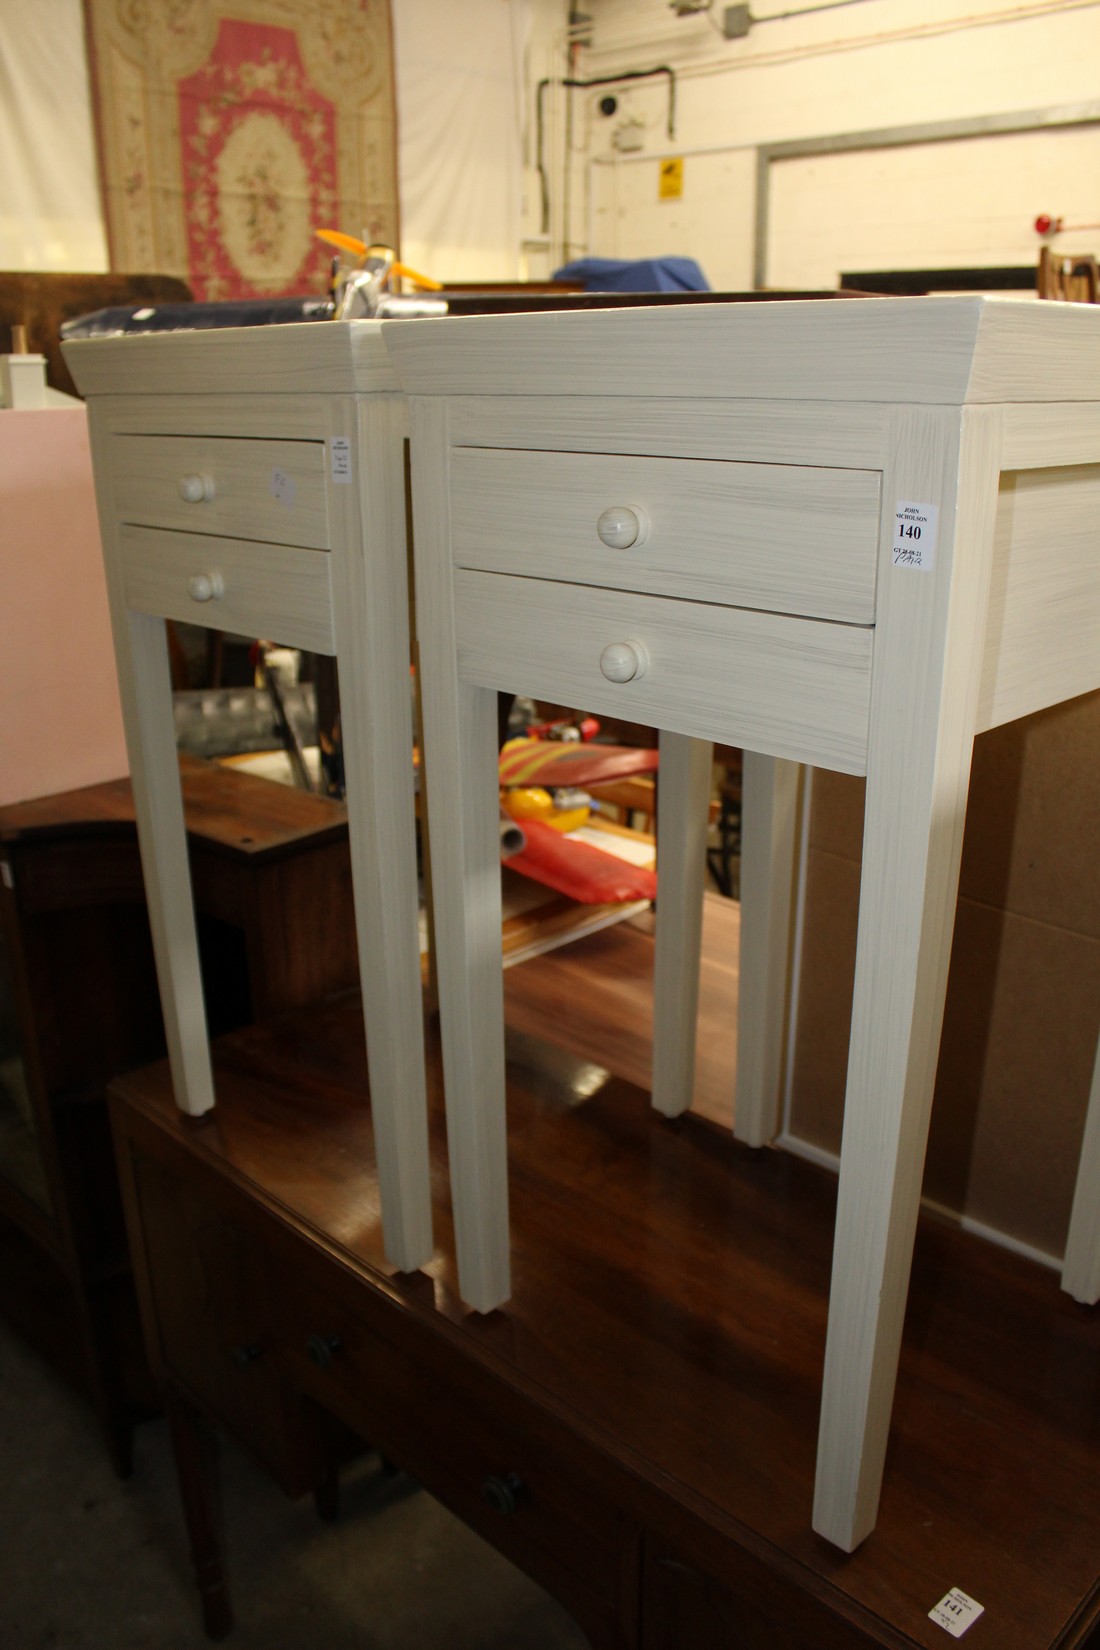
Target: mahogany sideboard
{"x":78,"y":1004}
{"x":637,"y":1432}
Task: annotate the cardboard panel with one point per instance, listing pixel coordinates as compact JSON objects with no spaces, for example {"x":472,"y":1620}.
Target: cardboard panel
{"x":1023,"y":997}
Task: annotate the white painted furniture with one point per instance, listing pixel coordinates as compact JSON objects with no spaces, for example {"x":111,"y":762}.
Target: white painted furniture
{"x":845,"y":534}
{"x":252,"y":480}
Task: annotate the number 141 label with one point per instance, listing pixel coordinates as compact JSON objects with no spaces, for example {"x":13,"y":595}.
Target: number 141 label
{"x":915,"y":528}
{"x":956,"y":1611}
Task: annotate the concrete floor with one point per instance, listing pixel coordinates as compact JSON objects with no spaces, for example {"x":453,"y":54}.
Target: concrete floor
{"x":90,"y":1563}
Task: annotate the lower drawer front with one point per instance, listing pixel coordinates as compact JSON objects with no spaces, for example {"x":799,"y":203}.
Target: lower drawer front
{"x":789,"y":687}
{"x":255,"y":590}
{"x":496,"y":1460}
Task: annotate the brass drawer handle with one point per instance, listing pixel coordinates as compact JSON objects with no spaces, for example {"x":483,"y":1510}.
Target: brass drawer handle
{"x":502,"y":1492}
{"x":323,"y":1349}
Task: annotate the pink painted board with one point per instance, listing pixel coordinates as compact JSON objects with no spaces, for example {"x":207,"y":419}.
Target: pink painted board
{"x":60,"y":722}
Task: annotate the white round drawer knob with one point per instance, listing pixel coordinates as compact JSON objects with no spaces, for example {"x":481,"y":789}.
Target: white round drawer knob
{"x":205,"y":587}
{"x":196,"y":489}
{"x":622,"y":525}
{"x":624,"y":661}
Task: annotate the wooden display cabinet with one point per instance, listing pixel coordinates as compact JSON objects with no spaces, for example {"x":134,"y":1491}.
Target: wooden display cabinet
{"x":79,"y":1004}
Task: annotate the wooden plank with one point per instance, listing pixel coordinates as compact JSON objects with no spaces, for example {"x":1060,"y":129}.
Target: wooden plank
{"x":685,"y":779}
{"x":304,"y":357}
{"x":370,"y":611}
{"x":771,"y":794}
{"x":927,"y":351}
{"x":922,"y":721}
{"x":1048,"y":435}
{"x":461,"y":755}
{"x":841,"y":436}
{"x":145,"y":693}
{"x":862,"y":350}
{"x":265,"y":417}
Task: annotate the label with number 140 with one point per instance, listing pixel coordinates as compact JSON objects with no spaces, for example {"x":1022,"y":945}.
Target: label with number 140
{"x":915,"y":535}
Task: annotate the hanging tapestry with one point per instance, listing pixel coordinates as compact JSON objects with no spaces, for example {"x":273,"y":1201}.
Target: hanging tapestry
{"x":229,"y":130}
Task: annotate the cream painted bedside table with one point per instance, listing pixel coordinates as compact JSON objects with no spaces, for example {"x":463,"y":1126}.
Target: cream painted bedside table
{"x":252,"y":480}
{"x":851,"y":535}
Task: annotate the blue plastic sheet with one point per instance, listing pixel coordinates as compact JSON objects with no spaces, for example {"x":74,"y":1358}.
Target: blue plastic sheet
{"x":640,"y":275}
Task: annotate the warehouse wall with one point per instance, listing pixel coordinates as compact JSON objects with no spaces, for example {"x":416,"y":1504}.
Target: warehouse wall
{"x":869,"y":65}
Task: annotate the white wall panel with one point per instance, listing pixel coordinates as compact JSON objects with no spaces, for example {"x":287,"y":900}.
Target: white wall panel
{"x":50,"y":215}
{"x":459,"y":156}
{"x":970,"y":202}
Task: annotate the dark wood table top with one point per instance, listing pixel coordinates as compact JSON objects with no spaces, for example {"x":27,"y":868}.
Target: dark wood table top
{"x":231,"y":811}
{"x":670,"y":1293}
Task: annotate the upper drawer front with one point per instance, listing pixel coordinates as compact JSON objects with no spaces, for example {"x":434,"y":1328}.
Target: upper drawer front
{"x":210,"y":1288}
{"x":251,"y":589}
{"x":780,"y":537}
{"x":796,"y":688}
{"x":268,"y":490}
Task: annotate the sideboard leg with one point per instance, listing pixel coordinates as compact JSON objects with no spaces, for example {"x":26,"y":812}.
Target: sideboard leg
{"x":198,"y":1512}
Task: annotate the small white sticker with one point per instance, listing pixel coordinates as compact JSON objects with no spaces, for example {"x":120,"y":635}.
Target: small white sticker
{"x":955,"y":1612}
{"x":5,"y":874}
{"x":340,"y":449}
{"x":284,"y":488}
{"x":915,"y":528}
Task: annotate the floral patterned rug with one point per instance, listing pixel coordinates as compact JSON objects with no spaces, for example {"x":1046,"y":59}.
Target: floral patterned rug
{"x":230,"y":129}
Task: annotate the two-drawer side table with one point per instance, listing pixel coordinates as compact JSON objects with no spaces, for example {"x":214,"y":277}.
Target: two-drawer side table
{"x":253,"y":480}
{"x":849,"y":535}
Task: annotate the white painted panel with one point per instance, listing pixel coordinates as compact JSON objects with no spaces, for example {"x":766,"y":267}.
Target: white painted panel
{"x":783,"y":537}
{"x":966,"y":203}
{"x":283,"y":595}
{"x":268,"y":490}
{"x":932,"y":350}
{"x":1043,"y":637}
{"x":788,"y":687}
